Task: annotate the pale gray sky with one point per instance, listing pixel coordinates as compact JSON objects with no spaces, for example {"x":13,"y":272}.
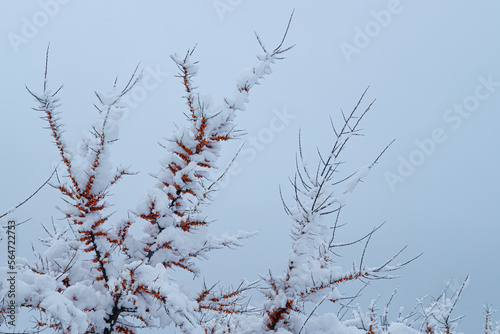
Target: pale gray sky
{"x":432,"y":67}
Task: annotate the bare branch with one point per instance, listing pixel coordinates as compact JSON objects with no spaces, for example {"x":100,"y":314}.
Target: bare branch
{"x":30,"y":196}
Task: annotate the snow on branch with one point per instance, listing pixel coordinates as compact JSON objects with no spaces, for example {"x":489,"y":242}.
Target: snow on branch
{"x":310,"y":274}
{"x":94,"y":276}
{"x":437,"y":316}
{"x":97,"y":276}
{"x":174,"y":207}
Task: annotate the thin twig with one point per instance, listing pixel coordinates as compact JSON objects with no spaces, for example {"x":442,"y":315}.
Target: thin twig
{"x":31,"y":196}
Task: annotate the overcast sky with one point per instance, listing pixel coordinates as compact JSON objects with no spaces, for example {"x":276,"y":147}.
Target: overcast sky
{"x":432,"y":66}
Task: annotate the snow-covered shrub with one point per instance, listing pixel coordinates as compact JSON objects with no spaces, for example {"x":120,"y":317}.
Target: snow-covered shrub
{"x":96,"y":276}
